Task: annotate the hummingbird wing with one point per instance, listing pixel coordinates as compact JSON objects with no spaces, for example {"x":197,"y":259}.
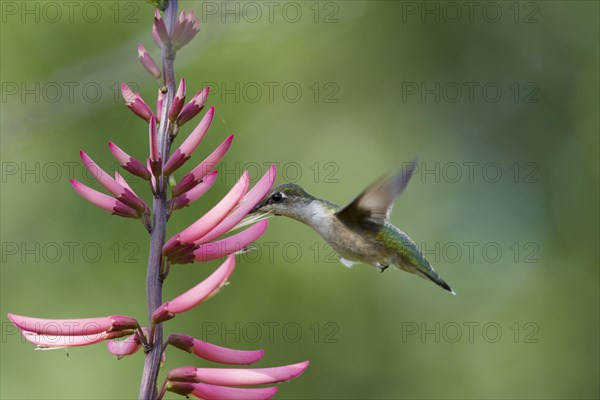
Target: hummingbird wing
{"x":372,"y":208}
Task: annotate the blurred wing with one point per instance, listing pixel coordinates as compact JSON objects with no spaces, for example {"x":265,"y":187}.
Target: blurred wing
{"x":372,"y":208}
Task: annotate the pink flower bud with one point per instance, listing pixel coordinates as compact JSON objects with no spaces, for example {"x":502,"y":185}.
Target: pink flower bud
{"x":186,"y":27}
{"x":211,"y":352}
{"x":178,"y":101}
{"x":159,"y":103}
{"x":191,"y":109}
{"x":155,"y":161}
{"x":160,"y":28}
{"x":136,"y":103}
{"x":196,"y":192}
{"x":190,"y":299}
{"x":195,"y":176}
{"x":103,"y":201}
{"x":101,"y":176}
{"x":153,"y":140}
{"x":156,"y":37}
{"x":148,"y":62}
{"x":122,"y":193}
{"x":129,"y":163}
{"x":184,"y":152}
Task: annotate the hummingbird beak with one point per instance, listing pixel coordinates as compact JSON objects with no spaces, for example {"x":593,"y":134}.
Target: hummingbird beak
{"x":252,"y":218}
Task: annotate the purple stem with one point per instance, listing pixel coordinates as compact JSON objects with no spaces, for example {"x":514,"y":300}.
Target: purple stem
{"x":154,"y":281}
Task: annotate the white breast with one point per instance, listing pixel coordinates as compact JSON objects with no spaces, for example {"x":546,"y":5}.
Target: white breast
{"x":318,"y":216}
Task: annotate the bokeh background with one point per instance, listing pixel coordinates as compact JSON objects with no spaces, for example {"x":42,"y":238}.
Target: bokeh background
{"x":499,"y":102}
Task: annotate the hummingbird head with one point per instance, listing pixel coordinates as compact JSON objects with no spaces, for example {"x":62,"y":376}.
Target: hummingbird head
{"x":287,"y":199}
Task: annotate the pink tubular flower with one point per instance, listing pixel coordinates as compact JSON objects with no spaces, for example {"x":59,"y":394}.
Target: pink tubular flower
{"x":196,"y":295}
{"x":129,"y":163}
{"x":148,"y":62}
{"x":191,"y":109}
{"x":248,"y":202}
{"x":178,"y":101}
{"x":122,"y":193}
{"x":196,"y":192}
{"x":73,"y":327}
{"x":186,"y":27}
{"x":103,"y":201}
{"x":183,"y":153}
{"x":211,"y":352}
{"x":225,"y":247}
{"x":135,"y":103}
{"x":212,"y":218}
{"x":161,"y":36}
{"x":195,"y":176}
{"x":236,"y":376}
{"x":58,"y":333}
{"x":180,"y":251}
{"x":213,"y":392}
{"x":230,"y":245}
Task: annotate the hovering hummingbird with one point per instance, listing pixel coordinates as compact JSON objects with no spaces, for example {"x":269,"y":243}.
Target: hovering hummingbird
{"x":358,"y":232}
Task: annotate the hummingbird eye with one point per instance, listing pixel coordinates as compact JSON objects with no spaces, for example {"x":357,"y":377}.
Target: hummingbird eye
{"x":277,"y":197}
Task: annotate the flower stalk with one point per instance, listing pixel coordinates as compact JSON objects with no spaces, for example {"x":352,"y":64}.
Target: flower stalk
{"x":154,"y":280}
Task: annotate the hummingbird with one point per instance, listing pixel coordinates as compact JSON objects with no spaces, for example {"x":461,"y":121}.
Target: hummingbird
{"x":359,"y":232}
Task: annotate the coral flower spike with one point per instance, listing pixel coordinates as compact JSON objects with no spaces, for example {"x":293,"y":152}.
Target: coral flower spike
{"x":207,"y":237}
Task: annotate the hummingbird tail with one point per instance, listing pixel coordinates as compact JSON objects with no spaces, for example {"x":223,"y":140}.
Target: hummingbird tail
{"x":432,"y":276}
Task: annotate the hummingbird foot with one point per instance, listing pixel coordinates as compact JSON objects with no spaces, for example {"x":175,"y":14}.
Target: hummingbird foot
{"x":382,"y":268}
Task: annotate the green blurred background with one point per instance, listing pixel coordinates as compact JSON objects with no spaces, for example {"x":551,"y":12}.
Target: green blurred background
{"x":337,"y":93}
